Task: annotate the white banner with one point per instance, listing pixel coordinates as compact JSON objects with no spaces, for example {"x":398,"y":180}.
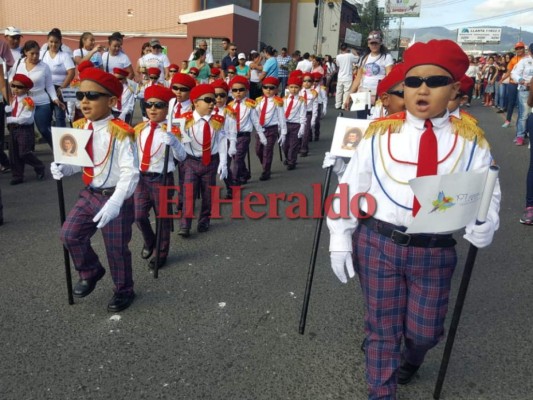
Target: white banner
{"x":352,"y":37}
{"x":69,"y":146}
{"x":479,"y":35}
{"x":403,"y":8}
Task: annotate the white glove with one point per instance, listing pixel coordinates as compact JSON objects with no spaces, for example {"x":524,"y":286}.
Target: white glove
{"x":61,"y":170}
{"x":170,"y":140}
{"x":262,"y":138}
{"x":109,"y":212}
{"x":232,"y":148}
{"x":313,"y":128}
{"x":333,"y":161}
{"x":8,"y":109}
{"x":281,"y":139}
{"x":480,"y":235}
{"x":301,"y":132}
{"x":324,"y":111}
{"x":222,"y":171}
{"x":341,"y":261}
{"x":10,"y":120}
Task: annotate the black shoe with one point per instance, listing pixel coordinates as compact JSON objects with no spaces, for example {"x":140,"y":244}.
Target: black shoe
{"x":184,"y":232}
{"x":146,"y":252}
{"x":316,"y":138}
{"x":16,"y":181}
{"x":285,"y":162}
{"x":1,"y":221}
{"x":229,"y":194}
{"x":120,"y":301}
{"x":202,"y":228}
{"x":363,"y":345}
{"x":161,"y":264}
{"x":500,"y":111}
{"x":290,"y":167}
{"x":265,"y":176}
{"x":40,"y":175}
{"x":84,"y":287}
{"x":303,"y":154}
{"x":406,"y":372}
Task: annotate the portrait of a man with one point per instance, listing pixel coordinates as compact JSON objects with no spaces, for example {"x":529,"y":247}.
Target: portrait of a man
{"x":68,"y":145}
{"x":351,"y":139}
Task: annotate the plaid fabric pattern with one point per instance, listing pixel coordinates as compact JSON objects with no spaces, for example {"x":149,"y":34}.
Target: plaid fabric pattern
{"x":317,"y":121}
{"x":145,"y":197}
{"x":406,"y":292}
{"x":266,"y":153}
{"x":23,"y":139}
{"x":202,"y":177}
{"x":304,"y":148}
{"x":181,"y":177}
{"x":78,"y":229}
{"x":240,"y":172}
{"x":292,"y":143}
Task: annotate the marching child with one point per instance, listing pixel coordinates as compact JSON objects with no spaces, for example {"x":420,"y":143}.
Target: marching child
{"x":296,"y":119}
{"x":406,"y":278}
{"x":246,"y":119}
{"x":173,"y":69}
{"x":106,"y":202}
{"x":322,"y":97}
{"x":272,"y":120}
{"x":151,"y":138}
{"x":454,"y":105}
{"x":206,"y":156}
{"x":311,"y":100}
{"x":20,"y":125}
{"x":126,"y":103}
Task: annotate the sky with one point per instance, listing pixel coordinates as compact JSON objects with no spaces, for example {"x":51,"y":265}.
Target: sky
{"x":453,"y":14}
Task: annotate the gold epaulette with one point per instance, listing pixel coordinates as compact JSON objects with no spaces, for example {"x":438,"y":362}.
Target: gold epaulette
{"x":139,"y":127}
{"x":469,"y":130}
{"x":79,"y":123}
{"x":216,"y":122}
{"x":28,"y":103}
{"x":278,"y":101}
{"x":120,"y":129}
{"x":189,"y":119}
{"x":258,"y":100}
{"x":323,"y":88}
{"x":393,"y":122}
{"x":314,"y":93}
{"x":175,"y":130}
{"x":250,"y":103}
{"x":467,"y":116}
{"x":228,"y":110}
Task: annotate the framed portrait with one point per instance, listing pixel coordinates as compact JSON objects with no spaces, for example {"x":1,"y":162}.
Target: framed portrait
{"x":347,"y":135}
{"x":69,"y":146}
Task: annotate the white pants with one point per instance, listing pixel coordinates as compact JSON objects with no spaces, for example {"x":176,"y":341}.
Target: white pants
{"x":343,"y":88}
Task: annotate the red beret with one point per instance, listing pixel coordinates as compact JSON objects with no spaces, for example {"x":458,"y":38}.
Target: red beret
{"x":215,"y":71}
{"x":200,"y":90}
{"x":296,"y":72}
{"x":231,"y":68}
{"x":270,"y":80}
{"x":158,"y":92}
{"x":467,"y":83}
{"x":183,"y":79}
{"x":220,"y":84}
{"x":240,"y":80}
{"x":24,"y":79}
{"x":120,"y":71}
{"x":106,"y":80}
{"x":316,"y":75}
{"x":174,"y":66}
{"x":195,"y":70}
{"x":154,"y":71}
{"x":294,"y":80}
{"x":442,"y":53}
{"x":85,"y":64}
{"x":395,"y":76}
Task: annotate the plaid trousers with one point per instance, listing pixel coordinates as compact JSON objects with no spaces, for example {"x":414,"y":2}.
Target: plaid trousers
{"x":266,"y":153}
{"x":23,"y":142}
{"x":317,"y":122}
{"x":307,"y":133}
{"x":145,"y":197}
{"x":240,"y":172}
{"x":406,"y":292}
{"x":78,"y":229}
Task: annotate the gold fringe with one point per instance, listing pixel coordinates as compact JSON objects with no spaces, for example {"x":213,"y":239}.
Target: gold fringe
{"x":79,"y":123}
{"x":28,"y":103}
{"x":468,"y":129}
{"x":120,"y":129}
{"x":250,"y":103}
{"x":380,"y":126}
{"x":278,"y":101}
{"x":216,"y":122}
{"x":139,"y":127}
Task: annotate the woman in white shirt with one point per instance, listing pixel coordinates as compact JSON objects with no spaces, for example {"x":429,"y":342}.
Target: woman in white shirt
{"x":43,"y":91}
{"x":115,"y":57}
{"x":62,"y":68}
{"x":88,"y":50}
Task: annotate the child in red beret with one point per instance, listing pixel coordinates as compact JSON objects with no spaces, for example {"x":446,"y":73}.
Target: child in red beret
{"x":206,"y":156}
{"x":246,"y":119}
{"x":296,"y":119}
{"x":322,"y":99}
{"x":125,"y":104}
{"x":151,"y":138}
{"x":311,"y":100}
{"x":272,"y":120}
{"x":173,"y":69}
{"x":406,"y":278}
{"x":20,"y":126}
{"x":106,"y":202}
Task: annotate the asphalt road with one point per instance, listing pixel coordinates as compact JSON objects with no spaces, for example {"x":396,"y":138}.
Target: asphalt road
{"x":221,"y":322}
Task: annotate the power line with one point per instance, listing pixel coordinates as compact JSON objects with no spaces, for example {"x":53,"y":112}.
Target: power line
{"x":509,"y":14}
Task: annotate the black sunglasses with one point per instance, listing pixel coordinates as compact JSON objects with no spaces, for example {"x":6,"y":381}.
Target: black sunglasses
{"x":235,"y":90}
{"x":17,"y":86}
{"x":268,"y":87}
{"x":172,"y":70}
{"x":230,"y":72}
{"x":221,"y":95}
{"x":157,"y":104}
{"x":180,"y":89}
{"x":193,"y":73}
{"x":153,"y":78}
{"x":90,"y":95}
{"x":434,"y":81}
{"x":398,"y":93}
{"x":207,"y":100}
{"x":307,"y":80}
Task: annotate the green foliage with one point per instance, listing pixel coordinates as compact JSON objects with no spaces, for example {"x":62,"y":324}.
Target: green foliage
{"x":372,"y":18}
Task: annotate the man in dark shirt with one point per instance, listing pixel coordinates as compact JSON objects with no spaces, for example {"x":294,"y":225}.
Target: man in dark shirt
{"x":230,"y":58}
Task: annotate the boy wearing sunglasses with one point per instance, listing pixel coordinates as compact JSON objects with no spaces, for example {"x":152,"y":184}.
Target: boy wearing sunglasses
{"x":246,"y":119}
{"x":125,"y":104}
{"x":322,"y":100}
{"x":406,"y":278}
{"x":454,"y":105}
{"x":311,"y":100}
{"x":151,"y":138}
{"x":20,"y":126}
{"x":206,"y":156}
{"x":106,"y":202}
{"x":295,"y":115}
{"x":272,"y":120}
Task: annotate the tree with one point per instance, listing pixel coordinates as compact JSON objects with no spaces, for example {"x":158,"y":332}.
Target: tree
{"x":372,"y":18}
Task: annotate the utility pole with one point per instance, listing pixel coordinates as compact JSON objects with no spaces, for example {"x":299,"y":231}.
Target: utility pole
{"x":399,"y":35}
{"x":320,"y":27}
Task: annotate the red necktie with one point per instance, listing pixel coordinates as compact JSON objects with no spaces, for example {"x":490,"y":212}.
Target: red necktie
{"x":216,"y":110}
{"x":119,"y":104}
{"x":289,"y":108}
{"x":238,"y":116}
{"x":88,"y":172}
{"x":145,"y":163}
{"x":427,"y":157}
{"x":206,"y":144}
{"x":305,"y":96}
{"x":178,"y":111}
{"x":263,"y":112}
{"x":15,"y":107}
